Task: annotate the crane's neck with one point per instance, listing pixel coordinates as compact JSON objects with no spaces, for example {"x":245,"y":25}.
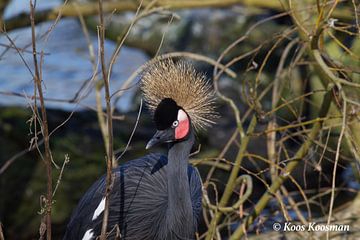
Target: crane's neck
{"x":180,"y":212}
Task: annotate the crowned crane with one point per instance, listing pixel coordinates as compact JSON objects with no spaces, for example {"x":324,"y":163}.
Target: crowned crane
{"x":155,"y":197}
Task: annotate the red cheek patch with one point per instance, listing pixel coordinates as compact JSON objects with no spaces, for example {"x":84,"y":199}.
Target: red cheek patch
{"x":183,"y":128}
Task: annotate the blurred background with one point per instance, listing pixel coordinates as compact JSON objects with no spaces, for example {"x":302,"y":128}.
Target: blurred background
{"x":274,"y":76}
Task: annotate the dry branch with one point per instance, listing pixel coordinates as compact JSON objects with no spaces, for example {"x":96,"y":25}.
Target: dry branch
{"x":231,"y":183}
{"x":90,"y":9}
{"x":44,"y":125}
{"x":1,"y":232}
{"x":109,"y":157}
{"x":275,"y":186}
{"x":323,"y":70}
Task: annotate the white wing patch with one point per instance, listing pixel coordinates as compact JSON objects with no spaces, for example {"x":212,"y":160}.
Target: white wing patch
{"x":88,"y":235}
{"x":99,"y":209}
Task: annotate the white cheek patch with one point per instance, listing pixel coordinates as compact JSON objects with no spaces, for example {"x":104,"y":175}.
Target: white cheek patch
{"x":181,"y":116}
{"x":183,"y":128}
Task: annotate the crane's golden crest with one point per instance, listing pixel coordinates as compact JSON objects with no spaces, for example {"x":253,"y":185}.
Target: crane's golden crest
{"x":180,"y":82}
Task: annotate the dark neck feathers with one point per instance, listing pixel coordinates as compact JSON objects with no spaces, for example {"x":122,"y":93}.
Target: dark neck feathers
{"x":180,"y":212}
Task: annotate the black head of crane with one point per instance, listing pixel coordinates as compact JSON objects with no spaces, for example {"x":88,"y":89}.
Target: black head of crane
{"x":155,"y":197}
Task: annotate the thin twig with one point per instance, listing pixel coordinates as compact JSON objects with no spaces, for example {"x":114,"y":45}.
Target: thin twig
{"x":44,"y":126}
{"x":109,"y":158}
{"x":66,"y":161}
{"x":132,"y":132}
{"x":1,"y":232}
{"x":333,"y":184}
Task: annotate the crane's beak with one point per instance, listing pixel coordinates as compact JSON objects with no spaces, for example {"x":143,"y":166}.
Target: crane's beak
{"x":161,"y":136}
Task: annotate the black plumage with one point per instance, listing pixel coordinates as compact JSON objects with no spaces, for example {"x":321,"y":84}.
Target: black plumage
{"x":138,"y":201}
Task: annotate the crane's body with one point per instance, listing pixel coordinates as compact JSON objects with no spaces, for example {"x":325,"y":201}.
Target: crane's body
{"x":141,"y":182}
{"x":155,"y":197}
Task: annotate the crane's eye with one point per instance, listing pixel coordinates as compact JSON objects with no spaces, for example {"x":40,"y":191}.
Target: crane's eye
{"x":175,"y":124}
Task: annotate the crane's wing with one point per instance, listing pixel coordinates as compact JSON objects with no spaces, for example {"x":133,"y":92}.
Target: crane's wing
{"x":134,"y":181}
